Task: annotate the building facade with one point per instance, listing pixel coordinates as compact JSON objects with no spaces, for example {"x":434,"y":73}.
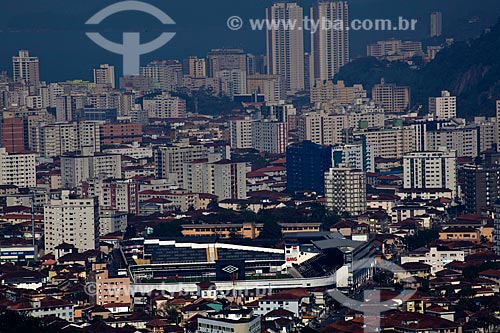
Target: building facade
{"x":481,"y":186}
{"x":430,"y":170}
{"x":165,"y":106}
{"x":306,"y":164}
{"x":17,"y":169}
{"x":391,"y":97}
{"x":26,"y":68}
{"x":285,"y":47}
{"x":444,"y":107}
{"x":72,"y":220}
{"x":329,"y":47}
{"x":269,"y":136}
{"x":345,"y":190}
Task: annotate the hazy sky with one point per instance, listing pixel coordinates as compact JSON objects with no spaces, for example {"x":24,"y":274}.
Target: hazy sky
{"x":54,"y":29}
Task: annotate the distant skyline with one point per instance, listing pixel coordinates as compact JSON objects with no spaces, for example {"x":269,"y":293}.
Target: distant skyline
{"x":54,"y":31}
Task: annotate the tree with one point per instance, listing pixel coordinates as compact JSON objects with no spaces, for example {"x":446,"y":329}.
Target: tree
{"x":467,"y":293}
{"x":11,"y":321}
{"x":243,"y":207}
{"x":173,"y":315}
{"x":213,"y":205}
{"x":169,"y":229}
{"x":271,"y":230}
{"x":130,"y":232}
{"x":421,"y":238}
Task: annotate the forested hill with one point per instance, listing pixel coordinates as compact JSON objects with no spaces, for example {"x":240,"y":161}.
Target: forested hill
{"x":470,"y":70}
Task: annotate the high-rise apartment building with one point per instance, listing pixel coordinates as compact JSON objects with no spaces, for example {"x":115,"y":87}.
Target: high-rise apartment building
{"x":496,"y":230}
{"x":282,"y":112}
{"x":26,"y":68}
{"x":269,"y":136}
{"x":322,"y":128}
{"x":12,"y":135}
{"x":391,"y":97}
{"x":306,"y":164}
{"x":498,"y":125}
{"x":357,"y":155}
{"x":241,"y":132}
{"x":169,"y":160}
{"x":104,"y":77}
{"x":430,"y":170}
{"x":195,"y":67}
{"x":338,"y":93}
{"x":233,"y":81}
{"x":395,"y":49}
{"x":165,"y":106}
{"x":383,"y":48}
{"x":109,"y":289}
{"x":444,"y":107}
{"x":225,"y":179}
{"x":464,"y":139}
{"x":166,"y":75}
{"x":487,"y":133}
{"x":269,"y":85}
{"x":308,"y":71}
{"x":76,"y":169}
{"x":68,"y":105}
{"x":72,"y":220}
{"x":481,"y":186}
{"x":17,"y":169}
{"x":330,"y":47}
{"x":345,"y":190}
{"x":285,"y":45}
{"x":111,"y":221}
{"x":436,"y":24}
{"x":114,"y":194}
{"x":226,"y":60}
{"x":394,"y":142}
{"x":58,"y":139}
{"x":252,"y":64}
{"x":119,"y":133}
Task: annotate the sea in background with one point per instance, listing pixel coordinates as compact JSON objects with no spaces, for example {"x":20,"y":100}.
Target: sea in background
{"x":54,"y":30}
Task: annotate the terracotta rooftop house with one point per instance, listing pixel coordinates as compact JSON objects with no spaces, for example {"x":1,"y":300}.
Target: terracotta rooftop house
{"x":416,"y":322}
{"x":157,"y":325}
{"x":289,"y":300}
{"x":481,"y":257}
{"x":279,"y":313}
{"x":460,"y":234}
{"x":48,"y":306}
{"x":343,"y":326}
{"x":492,"y":274}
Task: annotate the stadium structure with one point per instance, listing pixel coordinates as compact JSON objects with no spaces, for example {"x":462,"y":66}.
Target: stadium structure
{"x":306,"y":261}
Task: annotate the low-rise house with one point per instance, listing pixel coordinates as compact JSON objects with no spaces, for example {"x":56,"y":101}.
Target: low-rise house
{"x":229,"y":323}
{"x":412,"y":269}
{"x":288,"y":300}
{"x":48,"y":306}
{"x":460,"y":233}
{"x":436,"y":258}
{"x":417,"y":322}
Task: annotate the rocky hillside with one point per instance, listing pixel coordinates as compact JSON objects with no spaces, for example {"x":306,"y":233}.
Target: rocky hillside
{"x":470,"y":69}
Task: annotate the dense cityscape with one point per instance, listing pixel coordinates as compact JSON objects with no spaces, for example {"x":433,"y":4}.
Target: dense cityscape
{"x":300,"y":190}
